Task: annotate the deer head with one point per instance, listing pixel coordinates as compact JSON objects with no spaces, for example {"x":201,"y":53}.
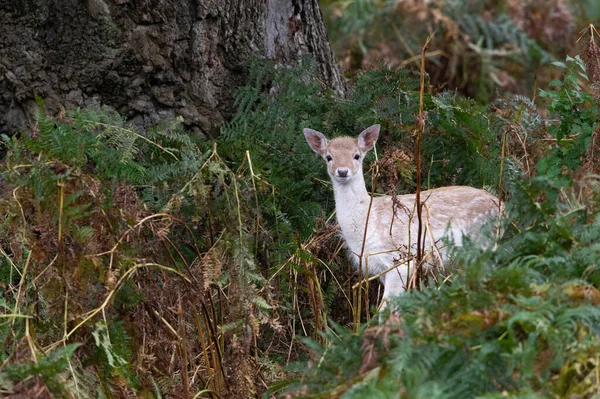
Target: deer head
{"x":343,"y":155}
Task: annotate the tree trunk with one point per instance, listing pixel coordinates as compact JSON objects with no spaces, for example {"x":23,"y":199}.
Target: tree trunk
{"x":149,"y":59}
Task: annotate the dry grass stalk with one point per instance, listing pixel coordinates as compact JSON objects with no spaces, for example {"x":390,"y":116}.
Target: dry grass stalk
{"x":357,"y":308}
{"x":420,"y":131}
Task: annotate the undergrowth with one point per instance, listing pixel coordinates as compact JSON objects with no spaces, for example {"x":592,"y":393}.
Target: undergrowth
{"x":480,"y":47}
{"x":519,"y":320}
{"x":153,"y":265}
{"x":126,"y":244}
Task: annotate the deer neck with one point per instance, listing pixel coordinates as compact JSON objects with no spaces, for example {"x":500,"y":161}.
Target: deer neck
{"x":351,"y":205}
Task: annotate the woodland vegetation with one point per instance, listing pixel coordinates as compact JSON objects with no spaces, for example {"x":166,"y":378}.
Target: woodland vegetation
{"x":161,"y":264}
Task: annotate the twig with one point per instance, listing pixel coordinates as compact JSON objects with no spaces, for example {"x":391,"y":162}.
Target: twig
{"x":427,"y":55}
{"x":109,"y":297}
{"x":434,"y":247}
{"x":389,"y":269}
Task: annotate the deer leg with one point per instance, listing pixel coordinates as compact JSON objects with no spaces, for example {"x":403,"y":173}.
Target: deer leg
{"x":394,"y":284}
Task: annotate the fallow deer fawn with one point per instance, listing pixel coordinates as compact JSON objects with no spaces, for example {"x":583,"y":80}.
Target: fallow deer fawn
{"x":448,"y":212}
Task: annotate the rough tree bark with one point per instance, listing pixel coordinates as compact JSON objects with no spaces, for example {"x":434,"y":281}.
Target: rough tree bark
{"x":149,"y":59}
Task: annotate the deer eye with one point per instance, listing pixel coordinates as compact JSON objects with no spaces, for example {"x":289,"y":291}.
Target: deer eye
{"x":357,"y":156}
{"x":328,"y":158}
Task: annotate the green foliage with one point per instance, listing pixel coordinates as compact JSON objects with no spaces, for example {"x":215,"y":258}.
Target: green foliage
{"x":589,"y":10}
{"x":270,"y":129}
{"x":498,"y":44}
{"x":80,"y":240}
{"x":230,"y":267}
{"x":98,"y":141}
{"x":171,"y":159}
{"x":577,"y":113}
{"x":461,"y":147}
{"x":480,"y":47}
{"x":96,"y":137}
{"x":520,"y":318}
{"x":113,"y":343}
{"x":49,"y":367}
{"x":72,"y":196}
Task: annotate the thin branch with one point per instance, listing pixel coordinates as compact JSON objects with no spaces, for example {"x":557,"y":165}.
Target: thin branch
{"x":420,"y":131}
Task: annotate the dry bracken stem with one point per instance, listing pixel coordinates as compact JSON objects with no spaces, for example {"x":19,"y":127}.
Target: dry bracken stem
{"x":183,"y":345}
{"x":411,"y":215}
{"x":210,"y":369}
{"x":37,"y":277}
{"x":64,"y":341}
{"x":213,"y":154}
{"x":404,"y":42}
{"x":61,"y":190}
{"x":72,"y":370}
{"x":221,"y":319}
{"x":374,"y":177}
{"x":296,"y":305}
{"x":320,"y":305}
{"x":252,"y":175}
{"x":15,"y":315}
{"x":420,"y":130}
{"x":502,"y":155}
{"x":597,"y":374}
{"x":14,"y":193}
{"x":21,"y":286}
{"x":314,"y":303}
{"x":124,"y":235}
{"x":184,"y":261}
{"x":217,"y":353}
{"x":336,"y":280}
{"x":166,"y":323}
{"x":30,"y":341}
{"x":12,"y":266}
{"x":208,"y":391}
{"x":416,"y":58}
{"x":362,"y":252}
{"x":535,"y":87}
{"x":292,"y":340}
{"x":239,"y":216}
{"x":214,"y":352}
{"x":526,"y":157}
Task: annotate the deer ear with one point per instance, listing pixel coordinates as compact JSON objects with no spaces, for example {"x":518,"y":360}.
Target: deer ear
{"x":316,"y":140}
{"x":368,"y":138}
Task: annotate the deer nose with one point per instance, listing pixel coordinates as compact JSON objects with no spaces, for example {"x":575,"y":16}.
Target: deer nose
{"x":342,"y":172}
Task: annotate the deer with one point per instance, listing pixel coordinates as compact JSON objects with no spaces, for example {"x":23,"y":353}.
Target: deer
{"x":381,"y":237}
